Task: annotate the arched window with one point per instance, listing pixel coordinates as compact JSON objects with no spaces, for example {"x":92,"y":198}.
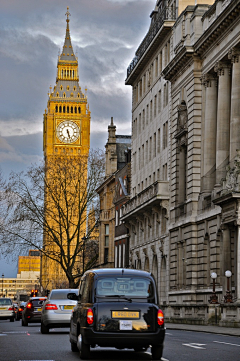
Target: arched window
{"x":75,"y":109}
{"x":71,"y":109}
{"x":73,"y":73}
{"x":79,"y":110}
{"x":78,"y":95}
{"x":61,"y":87}
{"x":57,"y":94}
{"x":67,"y":109}
{"x":64,"y":95}
{"x":56,"y":108}
{"x":64,"y":109}
{"x":60,"y":109}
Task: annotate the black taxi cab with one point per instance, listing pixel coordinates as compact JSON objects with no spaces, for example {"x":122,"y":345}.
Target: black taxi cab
{"x":117,"y":308}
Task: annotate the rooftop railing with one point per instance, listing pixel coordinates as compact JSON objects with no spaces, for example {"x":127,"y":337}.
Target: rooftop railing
{"x":167,"y":13}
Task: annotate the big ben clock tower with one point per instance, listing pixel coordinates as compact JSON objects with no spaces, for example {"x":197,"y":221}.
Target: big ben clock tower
{"x":66,"y":133}
{"x":67,"y":118}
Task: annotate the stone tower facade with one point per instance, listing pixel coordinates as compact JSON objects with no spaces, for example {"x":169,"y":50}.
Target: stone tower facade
{"x":66,"y":134}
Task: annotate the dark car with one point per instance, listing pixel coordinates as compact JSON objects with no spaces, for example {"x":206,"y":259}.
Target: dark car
{"x":33,"y":310}
{"x":18,"y":311}
{"x":117,"y":308}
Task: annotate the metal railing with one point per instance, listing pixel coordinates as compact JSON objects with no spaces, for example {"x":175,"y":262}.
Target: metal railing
{"x":167,"y":13}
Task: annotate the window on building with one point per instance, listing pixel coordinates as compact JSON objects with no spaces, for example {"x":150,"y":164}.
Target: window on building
{"x":143,"y":119}
{"x":106,"y":243}
{"x":154,"y":144}
{"x":159,"y":101}
{"x":158,"y":140}
{"x":147,"y":114}
{"x":155,"y":106}
{"x":150,"y":149}
{"x":151,"y":109}
{"x":156,"y":67}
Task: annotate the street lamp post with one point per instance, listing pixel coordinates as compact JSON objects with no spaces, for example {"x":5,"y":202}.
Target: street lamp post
{"x":228,"y":295}
{"x":2,"y":283}
{"x":213,"y":298}
{"x":84,"y":240}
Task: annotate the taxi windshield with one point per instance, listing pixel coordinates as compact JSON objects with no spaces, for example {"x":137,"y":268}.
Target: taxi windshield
{"x":125,"y":286}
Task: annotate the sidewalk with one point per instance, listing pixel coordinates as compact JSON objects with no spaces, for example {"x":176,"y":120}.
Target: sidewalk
{"x":230,"y":331}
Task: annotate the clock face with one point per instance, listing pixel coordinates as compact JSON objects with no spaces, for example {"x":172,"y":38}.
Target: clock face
{"x":68,"y":131}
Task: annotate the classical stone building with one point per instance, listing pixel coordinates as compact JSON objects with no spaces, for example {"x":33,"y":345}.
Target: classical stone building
{"x":122,"y":194}
{"x":116,"y":147}
{"x":201,"y":200}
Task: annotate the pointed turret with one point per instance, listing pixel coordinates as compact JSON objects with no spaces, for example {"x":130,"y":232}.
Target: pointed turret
{"x":67,"y":52}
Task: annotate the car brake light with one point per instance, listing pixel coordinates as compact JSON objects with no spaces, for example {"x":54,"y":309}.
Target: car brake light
{"x":90,"y":316}
{"x":29,"y":305}
{"x":50,"y":306}
{"x":10,"y":309}
{"x":160,"y":318}
{"x":20,"y":309}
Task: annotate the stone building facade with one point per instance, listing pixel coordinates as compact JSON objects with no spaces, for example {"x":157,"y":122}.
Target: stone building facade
{"x":200,"y":201}
{"x":115,"y":160}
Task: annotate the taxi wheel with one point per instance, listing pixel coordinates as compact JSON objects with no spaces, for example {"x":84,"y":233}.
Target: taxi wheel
{"x":74,"y":347}
{"x":157,"y":352}
{"x":85,"y":351}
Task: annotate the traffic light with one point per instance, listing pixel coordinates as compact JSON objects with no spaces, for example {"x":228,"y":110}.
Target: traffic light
{"x":34,"y":293}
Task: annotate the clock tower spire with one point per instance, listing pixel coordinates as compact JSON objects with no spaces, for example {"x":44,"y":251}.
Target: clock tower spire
{"x":67,"y":118}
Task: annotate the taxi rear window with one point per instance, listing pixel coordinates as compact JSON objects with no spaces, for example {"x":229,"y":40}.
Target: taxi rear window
{"x":125,"y":286}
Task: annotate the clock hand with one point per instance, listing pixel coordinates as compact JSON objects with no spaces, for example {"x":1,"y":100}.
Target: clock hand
{"x":68,"y":133}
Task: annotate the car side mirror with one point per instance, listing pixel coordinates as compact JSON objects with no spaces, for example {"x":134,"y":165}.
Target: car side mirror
{"x":72,"y":296}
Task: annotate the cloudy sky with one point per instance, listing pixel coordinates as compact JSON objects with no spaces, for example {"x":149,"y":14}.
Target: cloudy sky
{"x":105,"y":35}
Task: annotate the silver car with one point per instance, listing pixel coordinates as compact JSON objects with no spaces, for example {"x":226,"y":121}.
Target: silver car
{"x":57,"y":310}
{"x":7,"y":309}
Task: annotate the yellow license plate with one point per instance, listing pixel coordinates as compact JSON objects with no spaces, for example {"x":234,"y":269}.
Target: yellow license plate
{"x":3,"y":308}
{"x":39,"y":309}
{"x":68,"y":307}
{"x":125,"y":314}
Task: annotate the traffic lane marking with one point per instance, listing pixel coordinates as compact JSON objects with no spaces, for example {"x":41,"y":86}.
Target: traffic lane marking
{"x":227,"y":343}
{"x":195,"y":345}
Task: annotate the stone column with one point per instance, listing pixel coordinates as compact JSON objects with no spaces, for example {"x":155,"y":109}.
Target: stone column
{"x":234,"y":55}
{"x":209,"y":147}
{"x":223,"y":118}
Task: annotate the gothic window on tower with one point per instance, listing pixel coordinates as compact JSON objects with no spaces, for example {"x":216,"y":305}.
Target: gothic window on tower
{"x":78,"y":95}
{"x":64,"y":109}
{"x":74,"y":88}
{"x":64,"y":95}
{"x":71,"y":95}
{"x":79,"y":110}
{"x":57,"y":94}
{"x":56,"y":108}
{"x":71,"y":109}
{"x":61,"y":87}
{"x":60,"y":109}
{"x":75,"y":109}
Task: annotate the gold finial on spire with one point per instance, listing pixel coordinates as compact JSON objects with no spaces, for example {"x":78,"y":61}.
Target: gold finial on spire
{"x":68,"y":14}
